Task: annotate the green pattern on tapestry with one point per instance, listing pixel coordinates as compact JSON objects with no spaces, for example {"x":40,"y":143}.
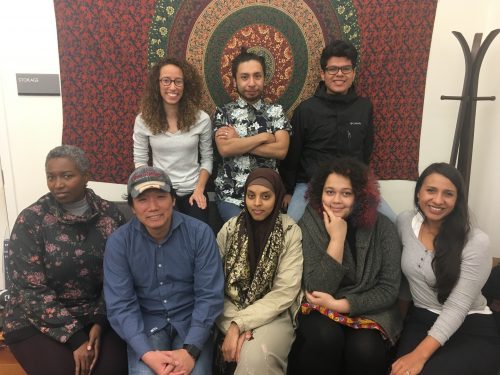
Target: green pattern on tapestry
{"x":247,"y":16}
{"x":165,"y":11}
{"x":161,"y":24}
{"x":348,"y":20}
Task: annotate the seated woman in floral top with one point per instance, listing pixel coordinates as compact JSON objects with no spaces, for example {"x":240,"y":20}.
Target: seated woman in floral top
{"x":55,"y":320}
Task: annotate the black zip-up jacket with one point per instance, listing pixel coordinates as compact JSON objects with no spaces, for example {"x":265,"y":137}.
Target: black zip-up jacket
{"x":327,"y":126}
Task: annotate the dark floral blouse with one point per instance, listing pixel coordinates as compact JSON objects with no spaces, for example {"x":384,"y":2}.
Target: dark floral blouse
{"x":55,"y":265}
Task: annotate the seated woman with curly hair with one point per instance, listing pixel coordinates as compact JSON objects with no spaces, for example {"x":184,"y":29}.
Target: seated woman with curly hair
{"x":352,"y":273}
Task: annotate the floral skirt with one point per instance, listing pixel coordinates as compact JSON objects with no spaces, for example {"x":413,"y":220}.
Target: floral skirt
{"x":356,"y":322}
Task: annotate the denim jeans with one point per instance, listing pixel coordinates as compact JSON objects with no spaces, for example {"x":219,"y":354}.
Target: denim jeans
{"x":167,"y":339}
{"x":227,"y":210}
{"x":298,"y":203}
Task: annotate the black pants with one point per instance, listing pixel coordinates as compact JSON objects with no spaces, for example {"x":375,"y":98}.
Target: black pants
{"x":182,"y":205}
{"x":473,"y":349}
{"x":323,"y":346}
{"x":42,"y":355}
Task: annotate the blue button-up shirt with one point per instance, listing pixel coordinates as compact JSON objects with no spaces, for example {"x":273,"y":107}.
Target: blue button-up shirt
{"x":148,"y":285}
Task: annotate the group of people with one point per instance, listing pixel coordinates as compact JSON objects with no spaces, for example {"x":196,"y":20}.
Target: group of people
{"x":334,"y":286}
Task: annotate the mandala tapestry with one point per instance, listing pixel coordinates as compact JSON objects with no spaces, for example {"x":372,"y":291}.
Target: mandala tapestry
{"x":107,"y":46}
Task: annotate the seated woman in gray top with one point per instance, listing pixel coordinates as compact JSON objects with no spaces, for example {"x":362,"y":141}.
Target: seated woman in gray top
{"x":450,"y":329}
{"x":179,"y":133}
{"x":351,"y":276}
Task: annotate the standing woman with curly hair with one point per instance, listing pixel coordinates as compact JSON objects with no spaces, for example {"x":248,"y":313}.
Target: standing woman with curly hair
{"x":449,"y":329}
{"x":352,"y":272}
{"x":178,"y":132}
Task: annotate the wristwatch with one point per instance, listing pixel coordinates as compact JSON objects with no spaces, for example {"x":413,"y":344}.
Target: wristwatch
{"x":192,"y":350}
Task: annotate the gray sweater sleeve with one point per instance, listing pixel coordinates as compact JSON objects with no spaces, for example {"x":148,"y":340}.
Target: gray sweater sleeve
{"x":376,"y":288}
{"x":206,"y":150}
{"x":141,"y":142}
{"x":384,"y":293}
{"x":474,"y":271}
{"x":321,"y":272}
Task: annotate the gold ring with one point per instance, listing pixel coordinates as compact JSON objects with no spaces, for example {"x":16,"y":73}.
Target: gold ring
{"x":408,"y":372}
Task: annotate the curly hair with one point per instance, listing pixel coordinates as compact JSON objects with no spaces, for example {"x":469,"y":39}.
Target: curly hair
{"x":364,"y":185}
{"x":450,"y":241}
{"x":151,"y":107}
{"x":70,"y":152}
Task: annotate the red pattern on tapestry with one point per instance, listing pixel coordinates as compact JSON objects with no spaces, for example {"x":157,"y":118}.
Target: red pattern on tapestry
{"x":103,"y":59}
{"x":270,"y":42}
{"x":395,"y":44}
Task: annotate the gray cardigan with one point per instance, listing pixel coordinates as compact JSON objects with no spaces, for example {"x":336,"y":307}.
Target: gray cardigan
{"x":374,"y":277}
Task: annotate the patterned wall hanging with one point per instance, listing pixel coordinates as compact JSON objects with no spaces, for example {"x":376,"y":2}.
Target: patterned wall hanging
{"x":105,"y":48}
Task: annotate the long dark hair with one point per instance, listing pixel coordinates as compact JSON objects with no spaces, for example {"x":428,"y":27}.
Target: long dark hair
{"x":450,"y":241}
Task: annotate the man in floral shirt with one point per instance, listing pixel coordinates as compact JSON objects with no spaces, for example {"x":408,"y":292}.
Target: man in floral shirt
{"x":249,"y":133}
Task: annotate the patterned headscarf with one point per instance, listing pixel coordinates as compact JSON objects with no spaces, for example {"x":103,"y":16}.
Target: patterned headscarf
{"x":253,"y":251}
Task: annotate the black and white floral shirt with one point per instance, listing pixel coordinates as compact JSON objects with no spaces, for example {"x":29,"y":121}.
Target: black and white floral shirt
{"x":55,"y":264}
{"x":248,"y":120}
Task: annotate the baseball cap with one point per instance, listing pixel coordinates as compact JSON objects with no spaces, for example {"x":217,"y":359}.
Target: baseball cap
{"x":146,"y":177}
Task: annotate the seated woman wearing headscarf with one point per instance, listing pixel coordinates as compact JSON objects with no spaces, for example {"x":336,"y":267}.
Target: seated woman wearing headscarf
{"x":55,"y":321}
{"x":262,"y":260}
{"x":351,"y":276}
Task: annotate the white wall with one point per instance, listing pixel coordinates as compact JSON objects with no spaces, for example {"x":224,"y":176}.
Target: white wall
{"x":445,"y":77}
{"x":30,"y":126}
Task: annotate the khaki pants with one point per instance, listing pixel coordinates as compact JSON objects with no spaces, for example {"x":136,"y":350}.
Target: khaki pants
{"x":268,"y":352}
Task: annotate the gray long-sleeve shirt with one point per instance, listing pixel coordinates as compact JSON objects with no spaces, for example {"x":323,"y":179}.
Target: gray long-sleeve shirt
{"x":466,"y":297}
{"x":177,"y":153}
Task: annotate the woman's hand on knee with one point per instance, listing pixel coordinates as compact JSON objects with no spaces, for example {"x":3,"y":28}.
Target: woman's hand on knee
{"x":83,"y":359}
{"x":230,"y":343}
{"x":94,"y":343}
{"x":245,"y":336}
{"x":409,"y":364}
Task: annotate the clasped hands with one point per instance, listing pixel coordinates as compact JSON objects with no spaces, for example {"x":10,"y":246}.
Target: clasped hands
{"x":169,"y":362}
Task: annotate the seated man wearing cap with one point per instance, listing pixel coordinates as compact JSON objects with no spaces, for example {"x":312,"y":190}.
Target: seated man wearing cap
{"x":163,"y":281}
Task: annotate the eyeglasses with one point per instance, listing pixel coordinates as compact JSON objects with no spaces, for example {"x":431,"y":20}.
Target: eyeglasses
{"x":332,"y":70}
{"x":178,"y":82}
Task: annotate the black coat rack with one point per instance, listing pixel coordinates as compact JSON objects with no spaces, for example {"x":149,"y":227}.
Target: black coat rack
{"x":463,"y":140}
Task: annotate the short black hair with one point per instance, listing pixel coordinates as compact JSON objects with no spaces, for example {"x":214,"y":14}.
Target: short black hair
{"x":339,"y":48}
{"x":245,"y":56}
